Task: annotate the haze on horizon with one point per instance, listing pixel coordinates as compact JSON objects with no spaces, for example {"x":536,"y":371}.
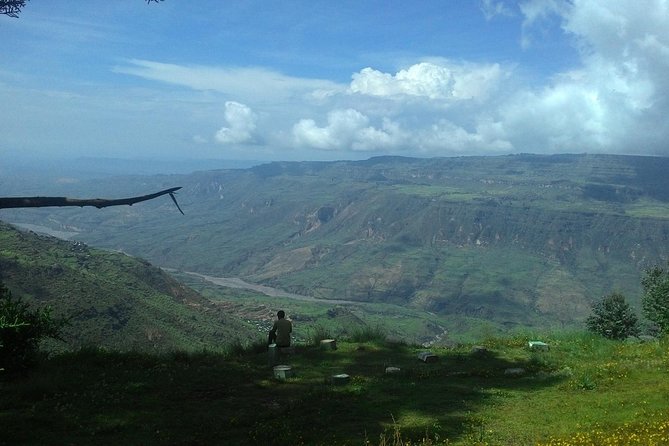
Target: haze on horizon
{"x":297,"y":80}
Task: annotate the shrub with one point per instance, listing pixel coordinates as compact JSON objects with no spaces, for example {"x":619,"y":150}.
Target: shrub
{"x":237,"y":348}
{"x":613,"y":318}
{"x":319,"y":333}
{"x":655,"y":300}
{"x":368,"y":334}
{"x":21,"y":330}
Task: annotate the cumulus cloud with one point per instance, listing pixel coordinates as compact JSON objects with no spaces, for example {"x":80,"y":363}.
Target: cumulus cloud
{"x":447,"y":81}
{"x":241,"y":124}
{"x":446,"y":137}
{"x":347,"y":130}
{"x":618,"y":99}
{"x":350,"y":130}
{"x":615,"y":98}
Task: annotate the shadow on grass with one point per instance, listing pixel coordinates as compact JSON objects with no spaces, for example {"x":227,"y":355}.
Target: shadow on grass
{"x":203,"y":398}
{"x":437,"y":400}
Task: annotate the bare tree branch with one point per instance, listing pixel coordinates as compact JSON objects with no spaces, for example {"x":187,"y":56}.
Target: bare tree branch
{"x":40,"y":202}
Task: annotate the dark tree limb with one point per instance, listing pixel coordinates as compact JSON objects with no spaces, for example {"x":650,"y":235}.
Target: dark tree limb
{"x":40,"y":202}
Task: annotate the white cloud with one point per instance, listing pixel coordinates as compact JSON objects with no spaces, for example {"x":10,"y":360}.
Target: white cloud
{"x":539,"y":10}
{"x":347,"y":130}
{"x":258,"y":84}
{"x":566,"y":117}
{"x":445,"y":137}
{"x":492,"y":9}
{"x":241,"y":124}
{"x":537,"y":13}
{"x":614,"y":99}
{"x":447,"y":81}
{"x":618,"y":99}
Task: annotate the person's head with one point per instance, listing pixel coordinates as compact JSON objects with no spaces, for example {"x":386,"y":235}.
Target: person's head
{"x":281,"y":314}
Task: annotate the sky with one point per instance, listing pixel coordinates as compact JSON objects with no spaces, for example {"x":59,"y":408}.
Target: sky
{"x":326,"y":80}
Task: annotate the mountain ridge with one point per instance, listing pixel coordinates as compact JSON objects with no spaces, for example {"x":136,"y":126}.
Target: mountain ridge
{"x":509,"y":238}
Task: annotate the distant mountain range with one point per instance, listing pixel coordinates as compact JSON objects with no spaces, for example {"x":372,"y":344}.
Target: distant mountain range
{"x":512,"y":239}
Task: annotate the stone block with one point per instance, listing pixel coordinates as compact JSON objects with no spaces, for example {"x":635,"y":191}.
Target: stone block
{"x":479,"y":350}
{"x":538,"y":345}
{"x":329,"y":344}
{"x":340,"y":379}
{"x":283,"y":371}
{"x":427,"y":357}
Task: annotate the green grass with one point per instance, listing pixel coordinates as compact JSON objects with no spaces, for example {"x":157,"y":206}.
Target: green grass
{"x":648,"y":209}
{"x":584,"y":387}
{"x":443,"y":192}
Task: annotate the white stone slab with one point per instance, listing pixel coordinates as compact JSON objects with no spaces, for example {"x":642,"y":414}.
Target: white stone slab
{"x":538,"y":345}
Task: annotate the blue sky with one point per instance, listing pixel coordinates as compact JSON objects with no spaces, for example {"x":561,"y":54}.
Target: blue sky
{"x":318,"y":80}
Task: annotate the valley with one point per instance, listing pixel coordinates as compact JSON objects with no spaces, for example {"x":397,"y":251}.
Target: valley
{"x":511,"y":241}
{"x":470,"y":258}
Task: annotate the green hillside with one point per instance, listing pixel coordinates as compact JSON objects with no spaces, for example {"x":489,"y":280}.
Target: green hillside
{"x":123,"y":303}
{"x":110,"y":299}
{"x":517,"y":240}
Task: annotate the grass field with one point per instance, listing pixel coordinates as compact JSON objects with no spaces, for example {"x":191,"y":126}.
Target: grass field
{"x":584,"y":390}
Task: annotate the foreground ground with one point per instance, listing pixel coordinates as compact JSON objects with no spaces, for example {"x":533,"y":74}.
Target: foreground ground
{"x":583,"y":390}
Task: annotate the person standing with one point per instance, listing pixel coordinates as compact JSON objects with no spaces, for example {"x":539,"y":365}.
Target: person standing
{"x":281,"y":330}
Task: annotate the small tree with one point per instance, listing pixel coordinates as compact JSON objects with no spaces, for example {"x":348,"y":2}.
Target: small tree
{"x":21,"y":329}
{"x":655,"y":283}
{"x":613,"y":318}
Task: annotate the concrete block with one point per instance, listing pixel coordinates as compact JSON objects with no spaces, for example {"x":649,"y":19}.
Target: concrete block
{"x":329,"y":344}
{"x":479,"y":350}
{"x":340,"y":379}
{"x":427,"y":357}
{"x":283,"y":371}
{"x":538,"y":345}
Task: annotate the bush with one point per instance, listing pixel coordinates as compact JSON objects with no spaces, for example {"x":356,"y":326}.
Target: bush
{"x":21,"y":329}
{"x":613,"y":318}
{"x":368,"y":334}
{"x":655,"y":300}
{"x":319,"y":333}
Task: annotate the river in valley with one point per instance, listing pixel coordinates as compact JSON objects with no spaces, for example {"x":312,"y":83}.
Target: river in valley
{"x":236,"y":282}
